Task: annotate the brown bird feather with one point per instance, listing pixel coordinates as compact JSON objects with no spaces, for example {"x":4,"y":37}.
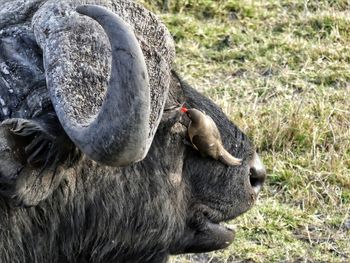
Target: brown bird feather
{"x":205,"y":137}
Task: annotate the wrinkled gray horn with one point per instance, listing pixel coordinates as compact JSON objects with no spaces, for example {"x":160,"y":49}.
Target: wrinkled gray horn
{"x":118,"y":134}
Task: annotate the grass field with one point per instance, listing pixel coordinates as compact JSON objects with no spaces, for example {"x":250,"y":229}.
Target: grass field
{"x":281,"y":71}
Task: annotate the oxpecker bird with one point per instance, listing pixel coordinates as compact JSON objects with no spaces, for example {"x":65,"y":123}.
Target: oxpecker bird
{"x":205,"y":137}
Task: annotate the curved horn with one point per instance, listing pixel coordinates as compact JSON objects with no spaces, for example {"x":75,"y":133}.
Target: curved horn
{"x":118,"y":134}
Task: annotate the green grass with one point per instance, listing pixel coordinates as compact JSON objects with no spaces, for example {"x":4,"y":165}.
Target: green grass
{"x":281,"y":71}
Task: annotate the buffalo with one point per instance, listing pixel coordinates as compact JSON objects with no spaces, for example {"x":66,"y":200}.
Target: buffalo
{"x":93,"y":161}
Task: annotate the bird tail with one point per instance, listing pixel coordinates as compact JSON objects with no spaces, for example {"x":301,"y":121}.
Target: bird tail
{"x":226,"y":158}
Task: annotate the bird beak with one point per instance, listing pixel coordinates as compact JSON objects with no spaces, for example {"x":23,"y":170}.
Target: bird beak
{"x":177,"y":107}
{"x":184,"y":109}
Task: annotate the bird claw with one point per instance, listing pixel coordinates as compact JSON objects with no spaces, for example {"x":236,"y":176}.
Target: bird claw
{"x":187,"y":142}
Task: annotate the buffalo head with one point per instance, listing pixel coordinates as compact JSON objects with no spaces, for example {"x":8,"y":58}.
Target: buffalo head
{"x":93,"y":167}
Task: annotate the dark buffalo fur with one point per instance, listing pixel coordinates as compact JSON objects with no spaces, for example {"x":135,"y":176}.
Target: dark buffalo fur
{"x":131,"y":214}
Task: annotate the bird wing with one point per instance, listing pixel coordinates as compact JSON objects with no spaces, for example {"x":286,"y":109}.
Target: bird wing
{"x":205,"y":146}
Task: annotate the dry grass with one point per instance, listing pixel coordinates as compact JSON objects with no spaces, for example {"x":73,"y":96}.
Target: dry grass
{"x":281,"y":71}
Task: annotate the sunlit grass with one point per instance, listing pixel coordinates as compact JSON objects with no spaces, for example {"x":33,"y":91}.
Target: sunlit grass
{"x":281,"y":71}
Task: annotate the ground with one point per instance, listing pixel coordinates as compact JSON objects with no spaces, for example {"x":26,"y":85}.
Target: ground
{"x":281,"y":71}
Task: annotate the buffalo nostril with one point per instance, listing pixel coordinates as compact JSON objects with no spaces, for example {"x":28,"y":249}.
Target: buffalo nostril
{"x":256,"y":181}
{"x":257,"y":174}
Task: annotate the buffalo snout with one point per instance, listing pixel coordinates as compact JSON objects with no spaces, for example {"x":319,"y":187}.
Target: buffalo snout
{"x":257,"y":173}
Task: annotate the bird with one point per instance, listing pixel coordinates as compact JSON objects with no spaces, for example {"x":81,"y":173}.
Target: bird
{"x":205,"y":137}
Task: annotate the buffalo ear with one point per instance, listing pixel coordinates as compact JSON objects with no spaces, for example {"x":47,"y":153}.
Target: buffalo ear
{"x":33,"y":159}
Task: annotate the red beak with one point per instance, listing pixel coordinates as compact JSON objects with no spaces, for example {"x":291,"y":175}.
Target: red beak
{"x":183,"y":109}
